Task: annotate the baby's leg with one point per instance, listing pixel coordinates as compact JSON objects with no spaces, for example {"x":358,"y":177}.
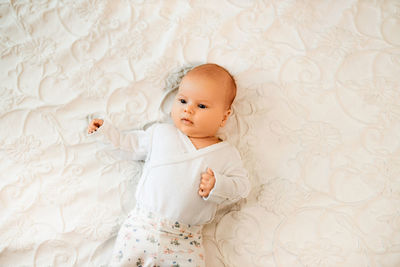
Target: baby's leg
{"x":148,"y":240}
{"x":136,"y":245}
{"x":180,"y":245}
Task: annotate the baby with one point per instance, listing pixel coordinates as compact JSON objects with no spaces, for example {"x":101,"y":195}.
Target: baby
{"x":188,"y":173}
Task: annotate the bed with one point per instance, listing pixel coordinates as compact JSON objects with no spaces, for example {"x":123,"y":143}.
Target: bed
{"x":316,"y":120}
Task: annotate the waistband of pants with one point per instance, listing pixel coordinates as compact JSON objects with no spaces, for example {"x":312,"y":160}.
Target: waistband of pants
{"x":165,"y":224}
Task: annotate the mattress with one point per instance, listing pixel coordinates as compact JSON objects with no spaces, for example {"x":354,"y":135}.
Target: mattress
{"x":316,"y":120}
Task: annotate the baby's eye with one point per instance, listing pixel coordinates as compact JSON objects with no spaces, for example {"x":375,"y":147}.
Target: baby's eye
{"x":183,"y":101}
{"x":202,"y":106}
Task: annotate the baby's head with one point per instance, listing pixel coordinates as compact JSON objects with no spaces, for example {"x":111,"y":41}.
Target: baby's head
{"x":203,"y":102}
{"x":219,"y":75}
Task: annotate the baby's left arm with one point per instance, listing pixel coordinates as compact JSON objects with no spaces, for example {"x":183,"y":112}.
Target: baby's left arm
{"x":227,"y":187}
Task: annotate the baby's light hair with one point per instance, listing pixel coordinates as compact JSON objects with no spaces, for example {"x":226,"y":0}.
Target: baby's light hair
{"x":215,"y":71}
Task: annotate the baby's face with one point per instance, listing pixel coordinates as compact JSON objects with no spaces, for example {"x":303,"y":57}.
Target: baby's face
{"x":200,"y":107}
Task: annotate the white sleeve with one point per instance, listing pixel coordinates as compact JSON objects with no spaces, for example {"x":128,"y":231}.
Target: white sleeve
{"x":232,"y":185}
{"x":138,"y":142}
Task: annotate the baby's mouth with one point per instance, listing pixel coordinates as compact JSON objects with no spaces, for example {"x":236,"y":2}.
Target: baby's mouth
{"x":186,"y":121}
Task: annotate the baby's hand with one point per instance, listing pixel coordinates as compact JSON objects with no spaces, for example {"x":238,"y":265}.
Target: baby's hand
{"x":207,"y":183}
{"x":94,"y":125}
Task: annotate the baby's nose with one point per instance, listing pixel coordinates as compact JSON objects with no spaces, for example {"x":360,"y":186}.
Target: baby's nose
{"x":188,"y":109}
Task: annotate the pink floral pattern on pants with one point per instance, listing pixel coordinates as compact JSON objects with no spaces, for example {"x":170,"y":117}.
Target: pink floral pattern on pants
{"x":148,"y":240}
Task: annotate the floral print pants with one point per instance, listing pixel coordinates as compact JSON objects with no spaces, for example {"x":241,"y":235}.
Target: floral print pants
{"x":148,"y":240}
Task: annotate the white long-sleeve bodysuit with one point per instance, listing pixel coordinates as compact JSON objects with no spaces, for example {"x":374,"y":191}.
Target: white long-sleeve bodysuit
{"x":172,"y":172}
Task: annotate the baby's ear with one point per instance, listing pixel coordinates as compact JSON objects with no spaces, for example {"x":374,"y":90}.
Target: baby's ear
{"x":226,"y":116}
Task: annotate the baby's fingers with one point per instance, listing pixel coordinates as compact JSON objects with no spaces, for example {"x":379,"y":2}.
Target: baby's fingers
{"x":206,"y":176}
{"x":204,"y":193}
{"x":94,"y":125}
{"x":90,"y":129}
{"x":201,"y":192}
{"x":206,"y":184}
{"x":97,"y":122}
{"x":203,"y":185}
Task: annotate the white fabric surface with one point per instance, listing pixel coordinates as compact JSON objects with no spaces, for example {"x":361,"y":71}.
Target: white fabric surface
{"x":172,"y":171}
{"x":317,"y":122}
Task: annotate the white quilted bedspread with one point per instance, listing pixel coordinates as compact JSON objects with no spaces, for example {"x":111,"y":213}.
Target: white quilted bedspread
{"x":316,"y":119}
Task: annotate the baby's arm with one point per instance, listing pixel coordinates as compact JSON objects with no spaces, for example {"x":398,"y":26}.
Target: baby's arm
{"x":227,"y":187}
{"x":136,"y":141}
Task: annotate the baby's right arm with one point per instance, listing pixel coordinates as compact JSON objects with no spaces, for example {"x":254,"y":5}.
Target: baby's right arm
{"x":137,"y":141}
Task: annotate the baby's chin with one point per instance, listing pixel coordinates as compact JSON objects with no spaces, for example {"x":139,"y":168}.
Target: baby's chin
{"x":190,"y":130}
